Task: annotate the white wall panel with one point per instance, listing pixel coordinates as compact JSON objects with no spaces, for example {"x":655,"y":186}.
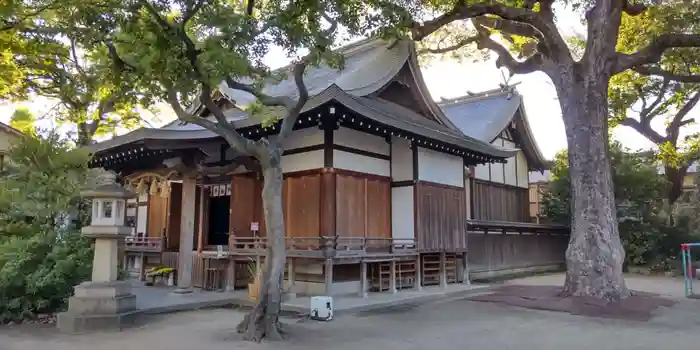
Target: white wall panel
{"x":302,"y":161}
{"x":522,"y":170}
{"x":440,"y":168}
{"x":402,"y":219}
{"x":360,"y":140}
{"x":360,"y":163}
{"x":401,"y":159}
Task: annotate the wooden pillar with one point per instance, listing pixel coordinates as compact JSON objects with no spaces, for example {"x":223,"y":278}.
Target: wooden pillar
{"x":363,"y":279}
{"x":184,"y":277}
{"x":142,"y":267}
{"x":443,"y":272}
{"x":231,"y":275}
{"x":329,"y":276}
{"x":392,"y":278}
{"x":202,"y":218}
{"x":464,"y":266}
{"x":418,"y":282}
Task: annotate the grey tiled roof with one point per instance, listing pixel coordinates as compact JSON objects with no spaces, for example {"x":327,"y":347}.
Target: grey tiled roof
{"x":369,"y":66}
{"x":484,"y":116}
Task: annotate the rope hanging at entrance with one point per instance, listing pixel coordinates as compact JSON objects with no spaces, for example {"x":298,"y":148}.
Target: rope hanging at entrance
{"x":154,"y":183}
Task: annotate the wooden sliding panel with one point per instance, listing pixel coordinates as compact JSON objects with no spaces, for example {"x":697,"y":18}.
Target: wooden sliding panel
{"x":243,"y":194}
{"x":157,"y":215}
{"x":174,"y":213}
{"x":378,"y":208}
{"x":351,"y":208}
{"x":363,"y":207}
{"x":440,"y":217}
{"x":302,"y":205}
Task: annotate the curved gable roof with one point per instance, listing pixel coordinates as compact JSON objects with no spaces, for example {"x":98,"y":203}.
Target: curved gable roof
{"x":486,"y":115}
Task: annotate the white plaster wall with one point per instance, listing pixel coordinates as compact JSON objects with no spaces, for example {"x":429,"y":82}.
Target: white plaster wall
{"x":401,"y":159}
{"x":497,"y":173}
{"x":402,"y":219}
{"x":304,"y":138}
{"x":359,"y":140}
{"x":522,"y":172}
{"x":481,"y":172}
{"x":440,"y":168}
{"x":511,"y":174}
{"x":360,"y":163}
{"x":142,"y":219}
{"x":302,"y":161}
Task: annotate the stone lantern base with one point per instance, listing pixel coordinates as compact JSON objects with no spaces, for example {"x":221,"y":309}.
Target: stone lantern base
{"x":99,"y":306}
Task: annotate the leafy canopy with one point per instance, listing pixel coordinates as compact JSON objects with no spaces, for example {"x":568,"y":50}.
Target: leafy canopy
{"x":47,"y":52}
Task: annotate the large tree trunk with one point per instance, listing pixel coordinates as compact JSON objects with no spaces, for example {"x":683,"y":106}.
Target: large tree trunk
{"x":263,"y":320}
{"x":595,"y":254}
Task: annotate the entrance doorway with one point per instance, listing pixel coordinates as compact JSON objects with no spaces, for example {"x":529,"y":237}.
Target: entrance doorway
{"x":219,"y":212}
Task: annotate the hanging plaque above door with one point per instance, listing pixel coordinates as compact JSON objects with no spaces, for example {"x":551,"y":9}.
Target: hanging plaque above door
{"x":220,"y":190}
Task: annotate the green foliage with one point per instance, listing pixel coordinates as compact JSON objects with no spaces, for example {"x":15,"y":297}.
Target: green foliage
{"x":44,"y":55}
{"x":23,"y":120}
{"x":646,"y":235}
{"x":37,"y":274}
{"x":638,"y":187}
{"x":42,"y":256}
{"x":637,"y":98}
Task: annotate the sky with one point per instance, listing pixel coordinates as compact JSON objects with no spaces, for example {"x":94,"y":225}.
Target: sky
{"x":453,"y":79}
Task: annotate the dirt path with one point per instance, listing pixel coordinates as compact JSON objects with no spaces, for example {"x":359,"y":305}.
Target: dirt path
{"x":448,"y":325}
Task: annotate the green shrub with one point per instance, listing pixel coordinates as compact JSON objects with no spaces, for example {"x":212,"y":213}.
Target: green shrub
{"x":37,"y":274}
{"x":41,"y":256}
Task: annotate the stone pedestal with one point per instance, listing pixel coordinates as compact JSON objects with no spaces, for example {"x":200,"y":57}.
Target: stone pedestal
{"x":104,"y":303}
{"x":99,"y":306}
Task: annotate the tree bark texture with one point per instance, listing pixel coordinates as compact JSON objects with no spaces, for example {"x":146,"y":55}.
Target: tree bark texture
{"x":595,"y":254}
{"x":263,"y":320}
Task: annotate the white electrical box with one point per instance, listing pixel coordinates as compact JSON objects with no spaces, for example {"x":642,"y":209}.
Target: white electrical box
{"x":321,"y":308}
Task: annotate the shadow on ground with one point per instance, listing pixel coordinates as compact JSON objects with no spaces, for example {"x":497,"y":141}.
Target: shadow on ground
{"x":639,"y":307}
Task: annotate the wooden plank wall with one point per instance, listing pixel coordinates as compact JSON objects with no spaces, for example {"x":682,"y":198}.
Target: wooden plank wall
{"x":300,"y":200}
{"x":498,"y":202}
{"x":174,"y":216}
{"x":498,"y":251}
{"x":243,"y":204}
{"x":157,"y":215}
{"x":302,"y":204}
{"x":363,"y":206}
{"x":440,"y":217}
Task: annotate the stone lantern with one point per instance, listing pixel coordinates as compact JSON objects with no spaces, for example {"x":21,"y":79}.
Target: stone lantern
{"x":104,"y":303}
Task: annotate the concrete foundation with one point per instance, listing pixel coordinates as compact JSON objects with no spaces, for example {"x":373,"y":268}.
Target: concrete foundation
{"x":99,"y":306}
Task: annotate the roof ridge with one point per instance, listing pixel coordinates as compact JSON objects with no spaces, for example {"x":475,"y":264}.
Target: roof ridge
{"x":479,"y":96}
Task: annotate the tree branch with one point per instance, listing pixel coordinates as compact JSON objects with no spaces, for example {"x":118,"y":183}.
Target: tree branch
{"x":646,"y":70}
{"x":653,"y":52}
{"x":192,"y":11}
{"x":673,"y":128}
{"x":646,"y":114}
{"x":633,"y":9}
{"x":539,"y":21}
{"x":235,"y":139}
{"x":531,"y":64}
{"x":441,"y":50}
{"x":293,"y":113}
{"x":645,"y":130}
